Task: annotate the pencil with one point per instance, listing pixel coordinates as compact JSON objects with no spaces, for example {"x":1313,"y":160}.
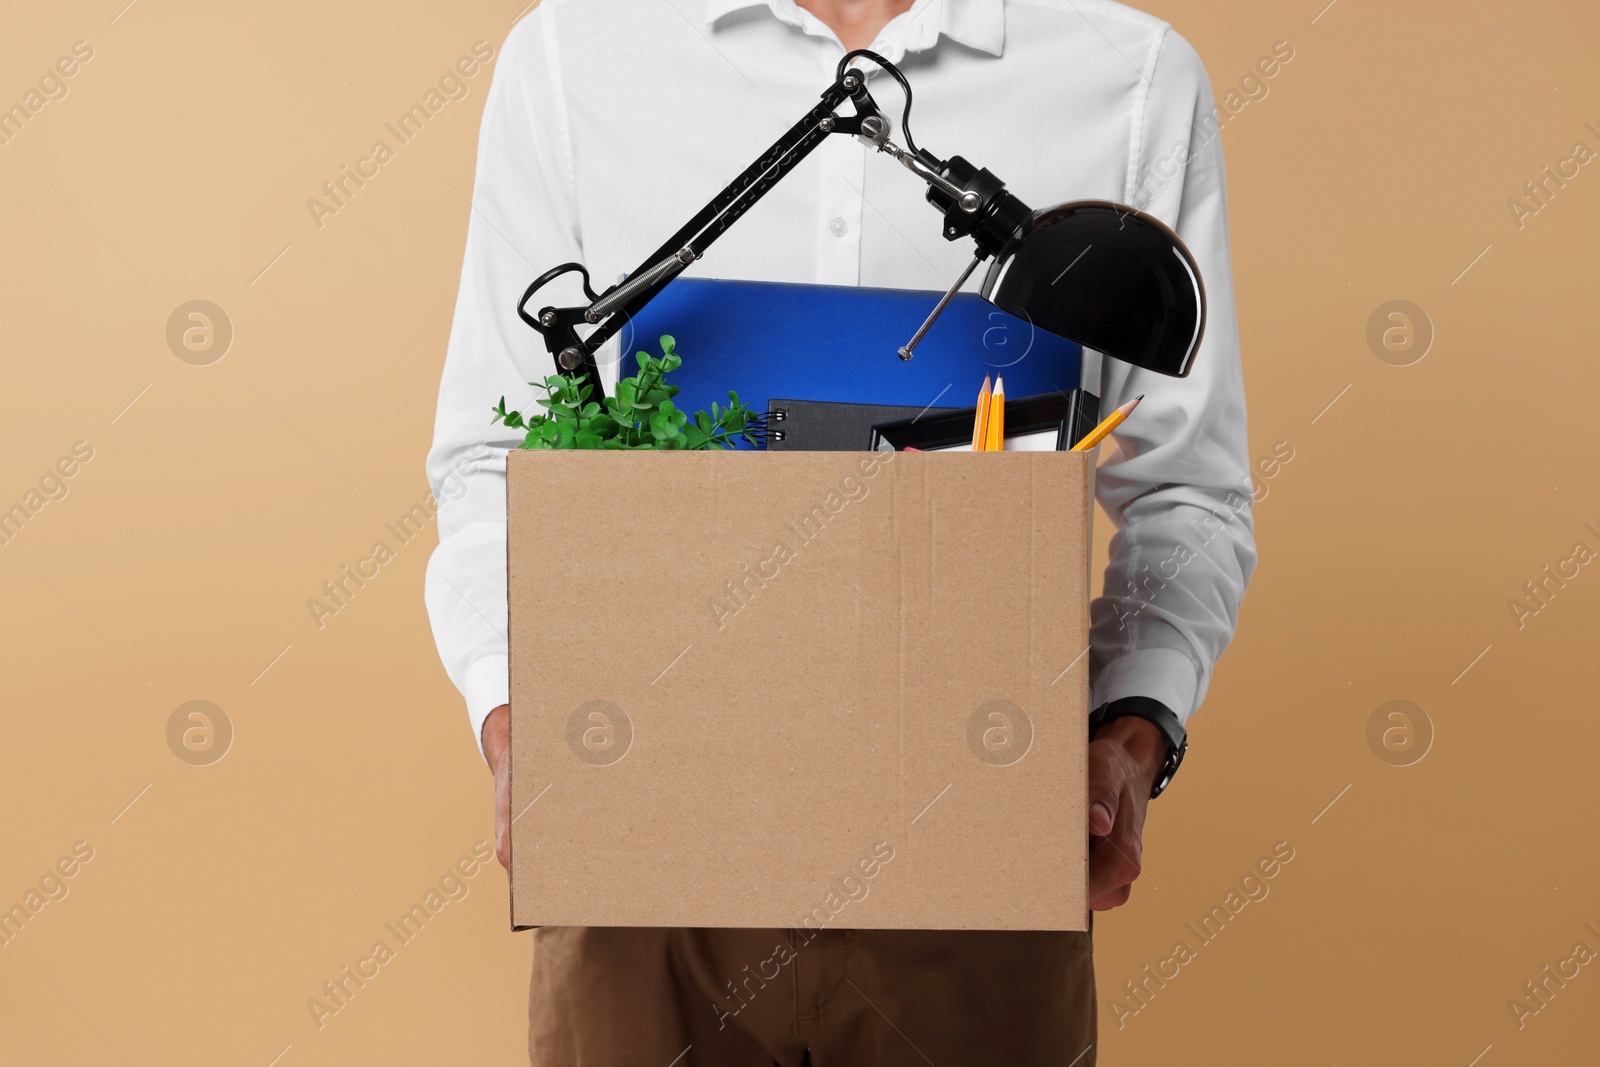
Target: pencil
{"x":980,"y":420}
{"x":1109,"y":423}
{"x":995,"y":432}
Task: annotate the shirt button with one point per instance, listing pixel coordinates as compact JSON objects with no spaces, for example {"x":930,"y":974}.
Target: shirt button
{"x":838,"y":227}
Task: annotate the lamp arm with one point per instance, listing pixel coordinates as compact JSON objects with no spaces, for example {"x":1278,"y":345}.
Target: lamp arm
{"x":617,"y":305}
{"x":974,"y":203}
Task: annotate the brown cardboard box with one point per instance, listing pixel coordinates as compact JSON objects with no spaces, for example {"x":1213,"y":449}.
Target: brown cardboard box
{"x":799,"y":689}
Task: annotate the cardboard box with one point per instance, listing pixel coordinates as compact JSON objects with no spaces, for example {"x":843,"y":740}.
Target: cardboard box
{"x":799,"y":689}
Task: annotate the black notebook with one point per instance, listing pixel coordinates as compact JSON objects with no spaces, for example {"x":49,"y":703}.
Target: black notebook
{"x":825,"y":426}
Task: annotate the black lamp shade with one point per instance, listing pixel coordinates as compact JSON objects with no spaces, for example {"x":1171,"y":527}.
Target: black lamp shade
{"x":1107,"y":276}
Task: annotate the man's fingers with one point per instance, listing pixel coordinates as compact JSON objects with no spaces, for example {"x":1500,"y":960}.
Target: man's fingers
{"x":1117,"y":791}
{"x":496,"y":742}
{"x":502,"y":842}
{"x":502,"y":817}
{"x":1105,"y":791}
{"x":1113,"y":899}
{"x":1113,"y":864}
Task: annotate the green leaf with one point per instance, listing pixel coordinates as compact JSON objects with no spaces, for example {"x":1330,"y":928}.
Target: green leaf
{"x":513,"y":419}
{"x":640,"y":416}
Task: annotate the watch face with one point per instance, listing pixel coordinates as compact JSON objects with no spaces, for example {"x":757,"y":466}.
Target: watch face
{"x":1168,"y":769}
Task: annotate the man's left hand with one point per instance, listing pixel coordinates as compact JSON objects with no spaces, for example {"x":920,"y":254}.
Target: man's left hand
{"x":1124,"y":759}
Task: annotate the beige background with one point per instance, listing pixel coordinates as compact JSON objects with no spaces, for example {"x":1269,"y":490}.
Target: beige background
{"x":219,"y":498}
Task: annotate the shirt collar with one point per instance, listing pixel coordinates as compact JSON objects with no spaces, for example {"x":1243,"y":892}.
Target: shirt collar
{"x":979,"y":24}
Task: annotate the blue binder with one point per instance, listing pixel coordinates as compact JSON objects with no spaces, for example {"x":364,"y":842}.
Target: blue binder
{"x":841,"y":343}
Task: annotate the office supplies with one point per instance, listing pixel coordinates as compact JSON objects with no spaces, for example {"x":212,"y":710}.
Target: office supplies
{"x":827,"y":426}
{"x":767,"y":340}
{"x":1049,"y":422}
{"x":1137,"y":295}
{"x":980,"y":421}
{"x":994,"y":430}
{"x":1112,"y":421}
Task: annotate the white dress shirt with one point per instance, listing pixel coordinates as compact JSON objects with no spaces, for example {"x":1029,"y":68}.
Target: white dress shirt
{"x":610,"y":123}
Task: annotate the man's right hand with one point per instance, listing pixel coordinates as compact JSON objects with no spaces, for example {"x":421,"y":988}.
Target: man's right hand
{"x":497,"y":750}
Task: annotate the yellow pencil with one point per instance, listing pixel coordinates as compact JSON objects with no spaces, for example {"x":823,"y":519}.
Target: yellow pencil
{"x":995,"y":432}
{"x":1111,"y":422}
{"x":980,"y":420}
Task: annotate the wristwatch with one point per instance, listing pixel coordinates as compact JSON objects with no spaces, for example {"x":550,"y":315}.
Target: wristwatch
{"x":1159,"y":716}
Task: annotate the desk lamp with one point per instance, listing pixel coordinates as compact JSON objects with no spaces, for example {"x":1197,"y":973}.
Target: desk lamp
{"x":1104,"y":275}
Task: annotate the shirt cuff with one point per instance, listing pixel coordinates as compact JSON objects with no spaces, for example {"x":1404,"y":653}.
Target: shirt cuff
{"x":486,"y":686}
{"x":1162,"y":674}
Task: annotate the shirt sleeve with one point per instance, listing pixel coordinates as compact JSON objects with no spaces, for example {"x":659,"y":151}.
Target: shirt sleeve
{"x":1175,"y":478}
{"x":522,"y":222}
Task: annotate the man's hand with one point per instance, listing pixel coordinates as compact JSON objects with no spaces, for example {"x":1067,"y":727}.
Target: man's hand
{"x":497,"y":750}
{"x":1124,"y":759}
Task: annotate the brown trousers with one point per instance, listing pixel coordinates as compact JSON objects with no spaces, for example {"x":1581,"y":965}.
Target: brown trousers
{"x":629,"y":997}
